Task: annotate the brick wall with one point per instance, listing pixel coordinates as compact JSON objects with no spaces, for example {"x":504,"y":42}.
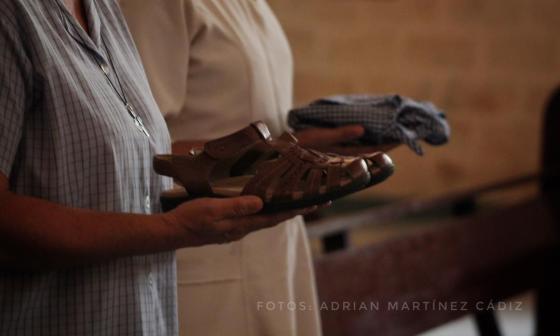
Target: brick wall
{"x":489,"y":64}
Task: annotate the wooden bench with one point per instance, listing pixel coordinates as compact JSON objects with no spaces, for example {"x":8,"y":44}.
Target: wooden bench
{"x":468,"y":261}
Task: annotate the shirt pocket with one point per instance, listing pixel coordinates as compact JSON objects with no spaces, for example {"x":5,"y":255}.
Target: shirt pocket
{"x":212,"y":263}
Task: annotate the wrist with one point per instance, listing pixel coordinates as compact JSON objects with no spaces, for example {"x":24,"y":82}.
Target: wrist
{"x":176,"y":233}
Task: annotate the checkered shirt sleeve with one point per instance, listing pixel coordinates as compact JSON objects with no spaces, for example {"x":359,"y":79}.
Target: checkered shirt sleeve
{"x":14,"y":92}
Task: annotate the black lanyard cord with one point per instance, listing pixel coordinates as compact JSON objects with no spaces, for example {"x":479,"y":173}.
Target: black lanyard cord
{"x":120,"y":93}
{"x":79,"y":39}
{"x":110,"y":58}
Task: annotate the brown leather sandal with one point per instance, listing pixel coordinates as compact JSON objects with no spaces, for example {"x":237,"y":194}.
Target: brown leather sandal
{"x":283,"y":174}
{"x":380,"y":165}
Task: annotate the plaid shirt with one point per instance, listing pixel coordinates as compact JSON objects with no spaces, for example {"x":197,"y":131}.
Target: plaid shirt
{"x":386,"y":119}
{"x":66,"y":137}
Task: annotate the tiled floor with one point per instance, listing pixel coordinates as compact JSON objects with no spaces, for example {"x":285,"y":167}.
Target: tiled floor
{"x":512,"y":323}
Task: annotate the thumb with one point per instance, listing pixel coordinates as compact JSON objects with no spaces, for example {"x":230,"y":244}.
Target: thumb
{"x":333,"y":136}
{"x":349,"y":133}
{"x":239,"y":206}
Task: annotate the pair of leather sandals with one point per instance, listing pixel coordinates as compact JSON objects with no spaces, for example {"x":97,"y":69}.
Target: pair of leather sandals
{"x":279,"y":171}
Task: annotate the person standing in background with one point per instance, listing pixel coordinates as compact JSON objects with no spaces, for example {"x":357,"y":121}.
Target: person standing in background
{"x":214,"y":66}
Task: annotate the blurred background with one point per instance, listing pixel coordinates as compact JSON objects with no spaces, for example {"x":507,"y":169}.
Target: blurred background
{"x":491,"y":65}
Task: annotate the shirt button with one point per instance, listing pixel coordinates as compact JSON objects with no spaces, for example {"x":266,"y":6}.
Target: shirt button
{"x":105,"y":68}
{"x":148,"y":204}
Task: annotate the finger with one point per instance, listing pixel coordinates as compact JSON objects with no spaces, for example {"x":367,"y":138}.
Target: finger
{"x":331,"y":136}
{"x":237,"y":206}
{"x":261,"y":221}
{"x":239,"y":228}
{"x":350,"y":132}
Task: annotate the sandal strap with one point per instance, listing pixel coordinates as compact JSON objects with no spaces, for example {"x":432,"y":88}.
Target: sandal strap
{"x":234,"y":144}
{"x":267,"y":178}
{"x":299,"y":173}
{"x":292,"y":179}
{"x":313,"y":182}
{"x":194,"y":171}
{"x":190,"y":173}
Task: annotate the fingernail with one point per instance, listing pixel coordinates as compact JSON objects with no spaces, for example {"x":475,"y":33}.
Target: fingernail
{"x":358,"y":129}
{"x":254,"y":204}
{"x":257,"y":205}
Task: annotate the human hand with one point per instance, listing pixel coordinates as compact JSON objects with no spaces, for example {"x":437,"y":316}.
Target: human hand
{"x":223,"y":220}
{"x":332,"y":140}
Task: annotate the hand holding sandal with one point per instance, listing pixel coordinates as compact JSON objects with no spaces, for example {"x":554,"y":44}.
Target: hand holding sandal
{"x":282,"y":173}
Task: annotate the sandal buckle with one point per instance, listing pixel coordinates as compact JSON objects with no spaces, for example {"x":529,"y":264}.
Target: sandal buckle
{"x":262,"y":129}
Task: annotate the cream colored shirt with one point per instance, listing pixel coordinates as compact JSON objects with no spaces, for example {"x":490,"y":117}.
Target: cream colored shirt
{"x":214,"y":66}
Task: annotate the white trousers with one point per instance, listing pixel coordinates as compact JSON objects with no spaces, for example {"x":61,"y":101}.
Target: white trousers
{"x":261,"y":285}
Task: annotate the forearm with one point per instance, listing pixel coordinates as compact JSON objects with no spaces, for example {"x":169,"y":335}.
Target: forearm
{"x":36,"y":234}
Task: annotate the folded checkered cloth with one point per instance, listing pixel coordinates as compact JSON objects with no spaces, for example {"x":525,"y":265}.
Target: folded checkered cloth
{"x":386,"y":119}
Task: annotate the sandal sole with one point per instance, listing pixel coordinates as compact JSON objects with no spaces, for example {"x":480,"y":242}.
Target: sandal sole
{"x":169,"y":203}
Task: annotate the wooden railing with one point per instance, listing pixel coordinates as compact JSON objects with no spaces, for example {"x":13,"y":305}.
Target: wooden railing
{"x":471,"y":260}
{"x":468,"y":260}
{"x":333,"y":225}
